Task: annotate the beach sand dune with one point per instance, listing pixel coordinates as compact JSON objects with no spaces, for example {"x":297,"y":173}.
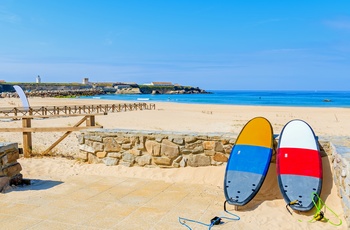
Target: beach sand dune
{"x":266,"y":211}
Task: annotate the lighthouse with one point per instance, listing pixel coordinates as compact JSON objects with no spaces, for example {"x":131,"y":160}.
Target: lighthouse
{"x":38,"y":79}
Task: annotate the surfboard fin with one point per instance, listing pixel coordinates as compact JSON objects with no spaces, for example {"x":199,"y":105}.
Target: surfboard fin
{"x":291,"y":203}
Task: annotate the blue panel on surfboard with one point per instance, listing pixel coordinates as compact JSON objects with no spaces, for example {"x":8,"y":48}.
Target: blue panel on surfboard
{"x":246,"y":160}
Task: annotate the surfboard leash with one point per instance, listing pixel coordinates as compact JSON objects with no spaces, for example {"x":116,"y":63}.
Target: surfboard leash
{"x":320,"y":215}
{"x":215,"y":221}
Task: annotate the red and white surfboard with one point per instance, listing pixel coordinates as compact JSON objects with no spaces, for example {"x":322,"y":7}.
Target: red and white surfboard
{"x":299,"y":165}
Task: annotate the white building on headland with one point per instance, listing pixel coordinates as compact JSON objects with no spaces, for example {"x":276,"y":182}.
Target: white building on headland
{"x":158,"y":83}
{"x":85,"y":81}
{"x":38,"y":79}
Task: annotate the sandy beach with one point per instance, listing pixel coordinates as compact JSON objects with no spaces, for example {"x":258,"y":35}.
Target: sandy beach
{"x":201,"y":118}
{"x":265,"y":211}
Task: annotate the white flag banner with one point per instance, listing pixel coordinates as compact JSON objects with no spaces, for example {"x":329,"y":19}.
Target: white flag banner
{"x":23,"y":96}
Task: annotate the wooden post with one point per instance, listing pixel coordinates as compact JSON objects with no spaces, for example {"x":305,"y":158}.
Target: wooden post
{"x":90,"y":121}
{"x":27,"y":137}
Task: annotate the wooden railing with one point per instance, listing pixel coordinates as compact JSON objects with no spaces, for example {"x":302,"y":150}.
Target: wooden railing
{"x":73,"y":109}
{"x":88,"y":111}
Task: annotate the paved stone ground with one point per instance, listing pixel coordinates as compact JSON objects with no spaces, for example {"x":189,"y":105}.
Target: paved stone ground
{"x":97,"y":202}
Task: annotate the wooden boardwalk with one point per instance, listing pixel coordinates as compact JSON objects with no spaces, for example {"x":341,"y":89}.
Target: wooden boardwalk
{"x":87,"y":111}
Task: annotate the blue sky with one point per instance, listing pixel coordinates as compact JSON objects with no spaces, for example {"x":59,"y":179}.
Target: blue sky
{"x":240,"y":45}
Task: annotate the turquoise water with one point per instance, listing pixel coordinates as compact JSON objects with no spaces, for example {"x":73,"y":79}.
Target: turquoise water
{"x":260,"y":98}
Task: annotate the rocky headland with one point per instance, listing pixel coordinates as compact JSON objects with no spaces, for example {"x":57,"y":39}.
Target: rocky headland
{"x":76,"y":90}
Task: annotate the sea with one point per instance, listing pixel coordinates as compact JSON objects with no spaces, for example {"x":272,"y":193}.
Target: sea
{"x":340,"y":99}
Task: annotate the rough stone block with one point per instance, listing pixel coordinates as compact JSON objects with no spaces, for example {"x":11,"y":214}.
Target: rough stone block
{"x":134,"y":140}
{"x":135,"y":152}
{"x":109,"y":161}
{"x":213,"y":145}
{"x":115,"y":155}
{"x":98,"y":146}
{"x":87,"y":148}
{"x":169,"y":149}
{"x":178,"y":159}
{"x":209,"y":152}
{"x":227,"y":149}
{"x":1,"y":172}
{"x":198,"y":149}
{"x":208,"y":145}
{"x":190,"y":139}
{"x":197,"y":144}
{"x":81,"y":139}
{"x":12,"y":170}
{"x":128,"y":157}
{"x":219,"y":147}
{"x":224,"y":141}
{"x":122,"y":140}
{"x":140,"y":146}
{"x":198,"y":160}
{"x":183,"y":162}
{"x":126,"y":146}
{"x":142,"y":139}
{"x":7,"y":147}
{"x":153,"y":148}
{"x":162,"y":161}
{"x":176,"y":162}
{"x":101,"y":154}
{"x":184,"y":150}
{"x":111,"y":144}
{"x":94,"y":138}
{"x":144,"y":160}
{"x":10,"y":157}
{"x":4,"y":183}
{"x":220,"y":157}
{"x":178,"y":140}
{"x":202,"y":137}
{"x":92,"y":159}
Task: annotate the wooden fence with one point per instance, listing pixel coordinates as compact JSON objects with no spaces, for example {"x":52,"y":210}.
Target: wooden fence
{"x":73,"y":109}
{"x":88,"y":111}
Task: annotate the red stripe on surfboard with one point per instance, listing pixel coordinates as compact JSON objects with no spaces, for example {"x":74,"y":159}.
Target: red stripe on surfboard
{"x":296,"y":161}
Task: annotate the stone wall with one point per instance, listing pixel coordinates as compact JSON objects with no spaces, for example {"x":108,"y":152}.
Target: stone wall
{"x":341,"y":176}
{"x":10,"y":168}
{"x":154,"y":149}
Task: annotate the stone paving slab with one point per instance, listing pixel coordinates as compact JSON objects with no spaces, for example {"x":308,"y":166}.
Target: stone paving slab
{"x":97,"y":202}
